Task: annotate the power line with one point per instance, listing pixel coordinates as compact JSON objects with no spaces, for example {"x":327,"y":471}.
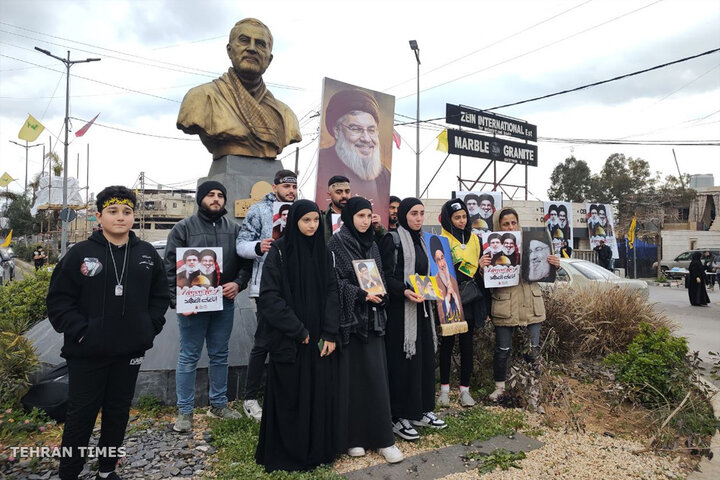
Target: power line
{"x":137,"y":133}
{"x":534,"y":50}
{"x":600,"y":141}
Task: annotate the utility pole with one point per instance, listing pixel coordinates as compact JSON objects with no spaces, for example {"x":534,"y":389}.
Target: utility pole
{"x":415,"y":48}
{"x":68,"y":63}
{"x":26,"y":147}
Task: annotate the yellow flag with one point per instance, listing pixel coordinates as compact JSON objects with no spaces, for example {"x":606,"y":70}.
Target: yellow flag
{"x":442,"y":141}
{"x":7,"y":241}
{"x":31,"y":130}
{"x":631,"y":233}
{"x":5,"y":180}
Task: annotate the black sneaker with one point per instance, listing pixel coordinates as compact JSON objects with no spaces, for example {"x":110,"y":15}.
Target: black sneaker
{"x":429,"y":419}
{"x":404,"y":430}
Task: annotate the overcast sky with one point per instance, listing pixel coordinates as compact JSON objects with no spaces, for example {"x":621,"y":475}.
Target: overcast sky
{"x":477,"y":53}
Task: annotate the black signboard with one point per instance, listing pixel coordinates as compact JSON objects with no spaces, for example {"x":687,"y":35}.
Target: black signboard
{"x":490,"y":122}
{"x":461,"y":142}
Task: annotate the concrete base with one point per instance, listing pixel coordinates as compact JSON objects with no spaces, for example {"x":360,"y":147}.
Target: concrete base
{"x":239,"y":174}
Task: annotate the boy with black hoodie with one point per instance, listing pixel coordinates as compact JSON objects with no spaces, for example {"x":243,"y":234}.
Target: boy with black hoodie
{"x":108,"y":296}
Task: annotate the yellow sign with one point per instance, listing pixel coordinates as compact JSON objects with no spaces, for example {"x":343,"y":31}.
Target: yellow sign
{"x":631,"y":233}
{"x":31,"y":130}
{"x":7,"y":241}
{"x":5,"y":180}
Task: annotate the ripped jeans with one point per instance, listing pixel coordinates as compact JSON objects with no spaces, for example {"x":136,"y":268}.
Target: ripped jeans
{"x":503,"y":348}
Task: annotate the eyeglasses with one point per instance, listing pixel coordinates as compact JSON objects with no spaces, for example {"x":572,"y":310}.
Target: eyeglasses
{"x":357,"y":130}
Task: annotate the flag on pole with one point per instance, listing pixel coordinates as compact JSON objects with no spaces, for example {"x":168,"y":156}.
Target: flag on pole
{"x":84,"y":129}
{"x":31,"y":129}
{"x":442,"y":141}
{"x":5,"y":180}
{"x":396,"y":138}
{"x":7,"y":241}
{"x":631,"y":232}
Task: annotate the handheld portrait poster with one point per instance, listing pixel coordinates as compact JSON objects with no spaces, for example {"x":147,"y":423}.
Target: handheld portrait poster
{"x":504,"y":250}
{"x":450,"y":311}
{"x":425,"y":286}
{"x":481,"y":206}
{"x":558,"y":219}
{"x":601,"y":226}
{"x":198,"y":279}
{"x":536,"y":248}
{"x":369,"y":277}
{"x":280,"y":213}
{"x":336,"y":222}
{"x":356,"y":141}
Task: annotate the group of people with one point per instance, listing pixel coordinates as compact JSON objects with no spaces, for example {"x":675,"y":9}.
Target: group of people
{"x":348,"y":370}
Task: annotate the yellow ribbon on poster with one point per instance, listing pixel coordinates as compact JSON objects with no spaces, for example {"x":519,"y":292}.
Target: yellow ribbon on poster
{"x":31,"y":129}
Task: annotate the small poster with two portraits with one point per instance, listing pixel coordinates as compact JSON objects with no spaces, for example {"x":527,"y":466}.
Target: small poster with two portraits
{"x":198,"y":271}
{"x":558,"y":219}
{"x":600,"y":226}
{"x":450,"y":311}
{"x":356,"y":141}
{"x":425,"y":286}
{"x":505,"y":258}
{"x":481,"y":207}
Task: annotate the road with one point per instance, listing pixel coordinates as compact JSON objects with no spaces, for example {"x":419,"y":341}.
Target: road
{"x":700,"y":325}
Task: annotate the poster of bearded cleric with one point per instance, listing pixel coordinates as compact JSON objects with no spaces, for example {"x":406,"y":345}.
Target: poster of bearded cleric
{"x":356,"y":140}
{"x":481,"y":206}
{"x":505,"y":258}
{"x":452,"y":317}
{"x":600,"y":226}
{"x":535,"y":252}
{"x":558,"y":219}
{"x":198,"y":279}
{"x":280,"y":213}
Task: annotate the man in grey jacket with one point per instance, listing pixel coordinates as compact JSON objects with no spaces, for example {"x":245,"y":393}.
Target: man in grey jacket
{"x":253,"y":242}
{"x":207,"y":228}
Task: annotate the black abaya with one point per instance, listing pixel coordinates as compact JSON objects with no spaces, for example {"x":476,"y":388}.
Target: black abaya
{"x":696,"y":290}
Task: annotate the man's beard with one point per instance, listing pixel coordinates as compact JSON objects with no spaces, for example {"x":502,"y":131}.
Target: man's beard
{"x":562,"y":222}
{"x":538,"y":270}
{"x":207,"y":270}
{"x":552,"y":221}
{"x":444,"y":277}
{"x":486,"y":215}
{"x":508,"y":251}
{"x":363,"y":167}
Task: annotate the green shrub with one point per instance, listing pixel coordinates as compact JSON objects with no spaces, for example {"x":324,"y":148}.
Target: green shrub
{"x":14,"y":422}
{"x":22,"y":302}
{"x":654,"y":364}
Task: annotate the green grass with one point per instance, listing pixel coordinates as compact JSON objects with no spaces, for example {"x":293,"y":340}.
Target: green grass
{"x":479,"y":423}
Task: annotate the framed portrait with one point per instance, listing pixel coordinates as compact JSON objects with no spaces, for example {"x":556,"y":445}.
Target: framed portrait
{"x":280,"y":213}
{"x":368,"y":276}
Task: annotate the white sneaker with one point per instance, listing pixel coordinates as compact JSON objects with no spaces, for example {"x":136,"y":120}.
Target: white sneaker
{"x":443,"y":399}
{"x":392,"y":454}
{"x":429,"y":419}
{"x":404,"y":430}
{"x":252,"y":409}
{"x":356,"y":452}
{"x":466,"y":400}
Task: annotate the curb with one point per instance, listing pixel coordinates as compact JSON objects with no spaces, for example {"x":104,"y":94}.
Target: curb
{"x":709,"y":468}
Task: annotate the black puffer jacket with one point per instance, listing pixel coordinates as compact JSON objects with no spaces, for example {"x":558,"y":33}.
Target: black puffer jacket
{"x":83,"y":306}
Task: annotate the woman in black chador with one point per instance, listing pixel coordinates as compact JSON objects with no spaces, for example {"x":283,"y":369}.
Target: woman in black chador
{"x":298,"y":304}
{"x":410,"y":337}
{"x":365,"y":411}
{"x":695,"y":282}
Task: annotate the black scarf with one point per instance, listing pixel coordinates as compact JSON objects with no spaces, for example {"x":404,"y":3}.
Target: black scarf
{"x":306,"y":265}
{"x":353,"y":206}
{"x":450,"y":207}
{"x":405,"y":206}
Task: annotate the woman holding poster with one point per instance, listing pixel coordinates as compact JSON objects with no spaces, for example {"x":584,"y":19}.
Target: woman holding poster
{"x":514,"y":306}
{"x":465,"y":250}
{"x":365,"y":398}
{"x":410,"y":337}
{"x":299,"y":304}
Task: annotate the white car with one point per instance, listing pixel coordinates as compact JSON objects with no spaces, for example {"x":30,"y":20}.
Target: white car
{"x":581,"y":273}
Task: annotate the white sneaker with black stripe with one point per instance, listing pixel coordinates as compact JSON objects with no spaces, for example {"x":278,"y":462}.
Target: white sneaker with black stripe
{"x":430,"y":420}
{"x":404,"y":430}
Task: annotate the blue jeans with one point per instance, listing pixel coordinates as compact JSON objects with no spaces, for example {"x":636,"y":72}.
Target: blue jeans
{"x":212,"y":329}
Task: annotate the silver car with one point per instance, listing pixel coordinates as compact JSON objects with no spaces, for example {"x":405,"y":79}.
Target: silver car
{"x":575,"y":272}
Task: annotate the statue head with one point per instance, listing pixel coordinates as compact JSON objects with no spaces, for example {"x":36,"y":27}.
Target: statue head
{"x":250,"y":48}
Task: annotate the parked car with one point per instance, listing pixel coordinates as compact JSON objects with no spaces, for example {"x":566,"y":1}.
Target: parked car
{"x":160,"y":247}
{"x":7,"y":265}
{"x":683,"y":260}
{"x":576,"y":272}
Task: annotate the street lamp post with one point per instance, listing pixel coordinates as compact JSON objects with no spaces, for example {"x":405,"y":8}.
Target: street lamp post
{"x":68,"y":63}
{"x":416,"y":49}
{"x":26,"y":147}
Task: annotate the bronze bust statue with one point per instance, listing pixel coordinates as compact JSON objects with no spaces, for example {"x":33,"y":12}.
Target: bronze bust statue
{"x":236,"y":114}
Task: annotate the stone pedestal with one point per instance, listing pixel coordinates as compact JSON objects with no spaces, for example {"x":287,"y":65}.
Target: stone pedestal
{"x":239,"y":174}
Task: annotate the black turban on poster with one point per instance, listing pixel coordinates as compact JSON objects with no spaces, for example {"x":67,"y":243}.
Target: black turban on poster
{"x":346,"y":101}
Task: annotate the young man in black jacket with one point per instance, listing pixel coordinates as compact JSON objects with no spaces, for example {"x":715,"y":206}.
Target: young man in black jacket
{"x":207,"y":228}
{"x":108,"y":296}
